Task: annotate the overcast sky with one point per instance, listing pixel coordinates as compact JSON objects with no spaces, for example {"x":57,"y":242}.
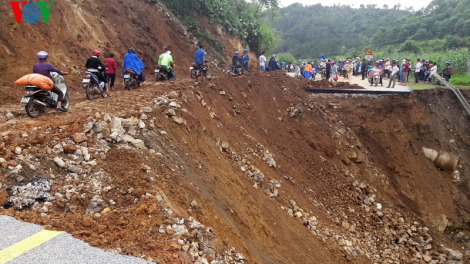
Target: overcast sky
{"x":417,"y":4}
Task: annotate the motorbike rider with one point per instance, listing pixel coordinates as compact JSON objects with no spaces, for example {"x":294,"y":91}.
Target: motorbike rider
{"x":45,"y":68}
{"x":132,"y":61}
{"x":377,"y":67}
{"x":245,"y":60}
{"x":236,"y":60}
{"x":166,"y":60}
{"x":94,"y":63}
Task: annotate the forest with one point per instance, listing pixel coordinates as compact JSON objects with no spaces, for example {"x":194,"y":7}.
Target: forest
{"x":309,"y":31}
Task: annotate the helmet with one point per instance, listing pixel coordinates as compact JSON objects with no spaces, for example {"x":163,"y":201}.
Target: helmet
{"x":245,"y":50}
{"x":169,"y":52}
{"x":43,"y":55}
{"x":378,"y":62}
{"x":131,"y":49}
{"x":448,"y":62}
{"x":236,"y":52}
{"x":97,"y":53}
{"x":274,"y":56}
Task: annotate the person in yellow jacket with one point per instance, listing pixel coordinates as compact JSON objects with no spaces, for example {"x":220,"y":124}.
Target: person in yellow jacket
{"x":166,"y":60}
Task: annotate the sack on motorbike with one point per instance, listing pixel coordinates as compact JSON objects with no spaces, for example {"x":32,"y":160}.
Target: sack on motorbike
{"x":38,"y":80}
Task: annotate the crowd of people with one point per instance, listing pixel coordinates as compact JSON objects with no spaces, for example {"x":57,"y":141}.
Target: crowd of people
{"x":332,"y":69}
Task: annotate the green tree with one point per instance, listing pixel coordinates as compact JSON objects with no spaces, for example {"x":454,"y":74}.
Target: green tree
{"x":410,"y":46}
{"x":452,"y":41}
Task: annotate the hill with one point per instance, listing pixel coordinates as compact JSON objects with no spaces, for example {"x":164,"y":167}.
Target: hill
{"x":316,"y":29}
{"x":449,"y":20}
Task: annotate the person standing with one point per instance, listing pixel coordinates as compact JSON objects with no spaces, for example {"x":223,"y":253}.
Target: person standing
{"x":94,"y":64}
{"x":272,"y":63}
{"x":446,"y":72}
{"x":199,"y":58}
{"x":393,"y":75}
{"x":297,"y":70}
{"x":387,"y":68}
{"x":402,"y":72}
{"x":110,"y":63}
{"x":262,"y":62}
{"x":245,"y":60}
{"x":363,"y":69}
{"x":350,"y":70}
{"x":283,"y":63}
{"x":328,"y":70}
{"x":417,"y":70}
{"x":334,"y":71}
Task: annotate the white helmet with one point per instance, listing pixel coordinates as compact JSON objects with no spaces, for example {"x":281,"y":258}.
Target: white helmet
{"x":169,"y":52}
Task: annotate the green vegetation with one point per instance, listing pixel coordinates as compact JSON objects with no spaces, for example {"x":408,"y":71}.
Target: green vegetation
{"x":460,"y":80}
{"x":286,"y":57}
{"x":245,"y":19}
{"x":309,"y":31}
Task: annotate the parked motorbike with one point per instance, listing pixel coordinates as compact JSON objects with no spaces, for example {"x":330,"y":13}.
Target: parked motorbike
{"x":36,"y":101}
{"x":234,"y":70}
{"x":92,"y":84}
{"x":162,"y":74}
{"x":131,"y":79}
{"x":205,"y":71}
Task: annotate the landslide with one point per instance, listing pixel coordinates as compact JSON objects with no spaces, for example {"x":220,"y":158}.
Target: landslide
{"x":278,"y":174}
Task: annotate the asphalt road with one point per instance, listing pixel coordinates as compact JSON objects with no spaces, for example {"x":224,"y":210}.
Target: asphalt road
{"x":25,"y":243}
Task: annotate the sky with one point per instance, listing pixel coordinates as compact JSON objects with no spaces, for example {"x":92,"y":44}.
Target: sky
{"x":417,"y":4}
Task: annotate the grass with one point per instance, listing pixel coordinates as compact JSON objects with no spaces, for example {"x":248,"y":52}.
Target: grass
{"x":461,"y":82}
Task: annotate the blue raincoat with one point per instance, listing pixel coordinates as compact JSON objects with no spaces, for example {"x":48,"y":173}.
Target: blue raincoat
{"x":323,"y":57}
{"x":272,"y":64}
{"x":132,"y":61}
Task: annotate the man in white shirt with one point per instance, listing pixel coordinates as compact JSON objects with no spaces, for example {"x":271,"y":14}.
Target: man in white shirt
{"x":262,"y":62}
{"x":417,"y":70}
{"x":393,"y":74}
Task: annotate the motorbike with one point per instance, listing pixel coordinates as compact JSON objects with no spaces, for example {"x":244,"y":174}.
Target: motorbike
{"x":323,"y":73}
{"x":376,"y":78}
{"x":205,"y":71}
{"x":36,"y":101}
{"x":92,"y":84}
{"x":234,"y":70}
{"x":162,"y":74}
{"x":131,"y":79}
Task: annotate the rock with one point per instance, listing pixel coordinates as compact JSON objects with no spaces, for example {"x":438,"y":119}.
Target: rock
{"x":453,"y":254}
{"x":2,"y":160}
{"x":193,"y":203}
{"x":75,"y":169}
{"x":160,"y":101}
{"x":58,"y":149}
{"x":298,"y":214}
{"x":59,"y":162}
{"x":146,"y":109}
{"x":225,"y":146}
{"x":70,"y":149}
{"x":130,"y":122}
{"x":17,"y":150}
{"x":97,"y":128}
{"x":366,"y":201}
{"x":170,"y":112}
{"x":178,"y":120}
{"x":222,"y":93}
{"x":116,"y":125}
{"x":138,"y":143}
{"x":79,"y":137}
{"x":174,"y":104}
{"x":141,"y":125}
{"x":143,"y":117}
{"x":345,"y":224}
{"x":8,"y":156}
{"x":379,"y":206}
{"x":88,"y":126}
{"x":107,"y":118}
{"x":106,"y":211}
{"x":9,"y":116}
{"x":106,"y":132}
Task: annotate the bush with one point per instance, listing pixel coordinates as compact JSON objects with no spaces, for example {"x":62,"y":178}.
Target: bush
{"x":410,"y":46}
{"x":460,"y":80}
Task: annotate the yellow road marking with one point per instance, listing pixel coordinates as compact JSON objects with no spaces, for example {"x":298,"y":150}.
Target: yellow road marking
{"x":26,"y":245}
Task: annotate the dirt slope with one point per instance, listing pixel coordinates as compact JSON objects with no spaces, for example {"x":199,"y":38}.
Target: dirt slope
{"x":289,"y":152}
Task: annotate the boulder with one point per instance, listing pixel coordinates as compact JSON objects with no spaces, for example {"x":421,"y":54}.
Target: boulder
{"x":178,"y":120}
{"x":70,"y":149}
{"x":79,"y":137}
